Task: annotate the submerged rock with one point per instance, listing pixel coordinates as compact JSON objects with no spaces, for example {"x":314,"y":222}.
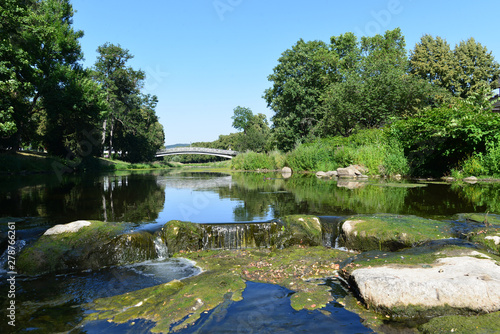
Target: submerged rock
{"x":390,"y":232}
{"x":178,"y":304}
{"x":417,"y":284}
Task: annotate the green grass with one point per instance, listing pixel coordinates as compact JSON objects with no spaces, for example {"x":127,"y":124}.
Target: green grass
{"x":37,"y":162}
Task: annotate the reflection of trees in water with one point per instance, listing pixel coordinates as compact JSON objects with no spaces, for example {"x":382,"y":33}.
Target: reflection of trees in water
{"x":309,"y":195}
{"x":482,"y":196}
{"x":132,"y":198}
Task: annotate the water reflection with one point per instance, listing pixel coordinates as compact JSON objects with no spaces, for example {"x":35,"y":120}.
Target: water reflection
{"x":223,"y":198}
{"x":131,"y":198}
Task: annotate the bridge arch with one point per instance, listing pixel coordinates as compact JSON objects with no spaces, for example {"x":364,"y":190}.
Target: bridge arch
{"x":228,"y":154}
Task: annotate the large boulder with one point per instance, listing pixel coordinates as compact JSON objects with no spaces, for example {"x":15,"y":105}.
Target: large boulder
{"x":417,"y":284}
{"x":391,"y":232}
{"x":85,"y":245}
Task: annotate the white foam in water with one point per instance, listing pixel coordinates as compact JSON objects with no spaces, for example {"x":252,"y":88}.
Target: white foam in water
{"x":161,"y":248}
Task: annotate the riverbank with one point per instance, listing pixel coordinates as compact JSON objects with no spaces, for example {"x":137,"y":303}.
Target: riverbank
{"x":27,"y":162}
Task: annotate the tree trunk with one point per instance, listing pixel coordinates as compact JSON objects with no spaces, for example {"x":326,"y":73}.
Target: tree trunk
{"x":103,"y":141}
{"x":111,"y":125}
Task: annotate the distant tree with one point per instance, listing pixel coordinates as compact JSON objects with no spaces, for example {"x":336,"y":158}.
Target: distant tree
{"x":255,"y":129}
{"x":242,"y":118}
{"x":467,"y":69}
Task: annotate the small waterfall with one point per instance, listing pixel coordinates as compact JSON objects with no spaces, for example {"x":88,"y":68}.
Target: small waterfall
{"x":161,"y":248}
{"x":239,"y":236}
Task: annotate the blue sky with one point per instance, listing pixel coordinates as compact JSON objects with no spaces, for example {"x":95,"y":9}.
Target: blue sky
{"x":205,"y":57}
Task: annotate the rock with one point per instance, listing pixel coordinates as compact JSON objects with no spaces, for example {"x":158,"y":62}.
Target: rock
{"x":464,"y":282}
{"x":362,"y":177}
{"x":87,"y":247}
{"x":332,"y":173}
{"x":390,"y":232}
{"x":346,"y":173}
{"x":286,"y":172}
{"x":181,"y":236}
{"x":487,"y":237}
{"x":471,"y":179}
{"x":321,"y":174}
{"x":448,"y":179}
{"x":299,"y":230}
{"x":67,"y":228}
{"x":397,"y":177}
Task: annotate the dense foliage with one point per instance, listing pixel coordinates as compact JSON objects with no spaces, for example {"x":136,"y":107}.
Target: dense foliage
{"x":48,"y":100}
{"x":324,"y":90}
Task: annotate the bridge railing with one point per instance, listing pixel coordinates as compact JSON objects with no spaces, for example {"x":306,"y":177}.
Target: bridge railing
{"x":198,"y":150}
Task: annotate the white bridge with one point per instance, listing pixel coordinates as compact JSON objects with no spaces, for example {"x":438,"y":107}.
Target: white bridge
{"x":229,"y":154}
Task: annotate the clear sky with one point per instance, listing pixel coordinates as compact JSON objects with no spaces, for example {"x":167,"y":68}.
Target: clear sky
{"x":203,"y":58}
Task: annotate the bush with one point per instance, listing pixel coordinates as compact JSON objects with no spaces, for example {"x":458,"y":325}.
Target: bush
{"x":253,"y":161}
{"x":439,"y":139}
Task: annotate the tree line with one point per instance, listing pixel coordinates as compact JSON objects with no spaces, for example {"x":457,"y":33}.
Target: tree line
{"x":433,"y":103}
{"x":49,"y":101}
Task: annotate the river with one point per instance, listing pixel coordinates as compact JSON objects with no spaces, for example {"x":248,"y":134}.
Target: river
{"x":147,"y":200}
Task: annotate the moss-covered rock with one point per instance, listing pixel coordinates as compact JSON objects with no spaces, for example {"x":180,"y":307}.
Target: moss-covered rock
{"x":89,"y":246}
{"x":487,"y":219}
{"x":481,"y":324}
{"x":182,"y":236}
{"x":425,"y":282}
{"x":178,"y":304}
{"x":391,"y":232}
{"x":487,"y":237}
{"x":299,"y":230}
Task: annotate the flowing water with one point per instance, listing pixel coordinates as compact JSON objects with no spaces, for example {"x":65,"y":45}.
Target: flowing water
{"x":237,"y":211}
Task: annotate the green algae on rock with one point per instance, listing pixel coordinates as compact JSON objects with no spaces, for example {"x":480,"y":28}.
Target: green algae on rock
{"x":181,"y":236}
{"x":388,"y":232}
{"x":178,"y":304}
{"x":480,"y":324}
{"x":487,"y":237}
{"x":487,"y":219}
{"x":67,"y":250}
{"x":300,"y":230}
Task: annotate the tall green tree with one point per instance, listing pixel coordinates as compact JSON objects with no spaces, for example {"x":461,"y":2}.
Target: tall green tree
{"x":467,"y":69}
{"x":130,"y":125}
{"x":297,"y":83}
{"x":39,"y":50}
{"x":374,"y":89}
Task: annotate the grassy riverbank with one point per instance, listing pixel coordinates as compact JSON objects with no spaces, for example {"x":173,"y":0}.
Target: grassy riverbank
{"x":369,"y":148}
{"x":38,"y":162}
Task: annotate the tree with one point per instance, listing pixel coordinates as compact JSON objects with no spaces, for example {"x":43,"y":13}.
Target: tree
{"x":467,"y":69}
{"x":476,"y":67}
{"x":242,"y":118}
{"x":38,"y":50}
{"x":255,"y":129}
{"x":374,"y":89}
{"x":298,"y":82}
{"x":130,"y":124}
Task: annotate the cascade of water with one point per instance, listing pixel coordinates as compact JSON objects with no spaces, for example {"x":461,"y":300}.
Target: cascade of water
{"x":161,"y":248}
